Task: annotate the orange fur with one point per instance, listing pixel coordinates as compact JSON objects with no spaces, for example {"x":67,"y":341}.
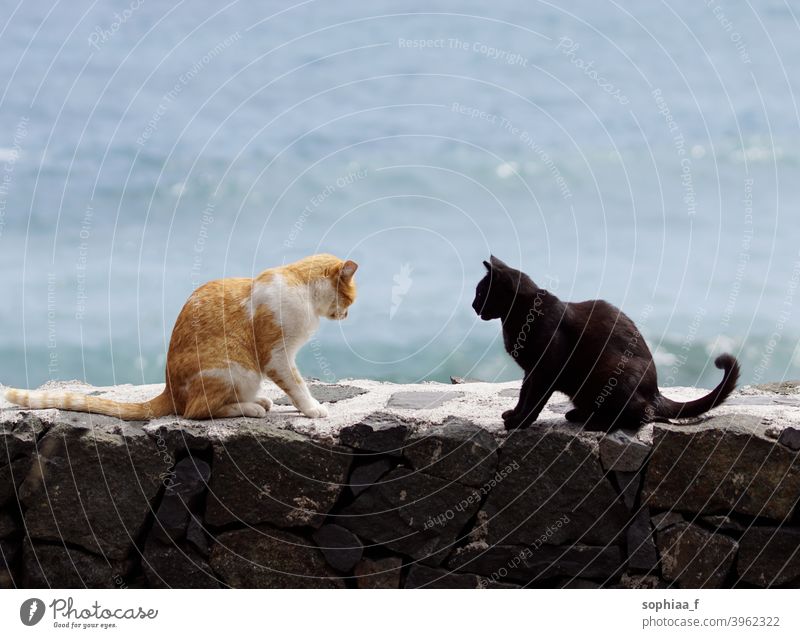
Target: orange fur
{"x":228,"y":336}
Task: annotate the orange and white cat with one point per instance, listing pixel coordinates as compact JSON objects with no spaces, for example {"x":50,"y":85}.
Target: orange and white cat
{"x":230,"y":334}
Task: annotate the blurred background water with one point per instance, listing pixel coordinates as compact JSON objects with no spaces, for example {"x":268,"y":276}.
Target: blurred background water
{"x":645,"y":153}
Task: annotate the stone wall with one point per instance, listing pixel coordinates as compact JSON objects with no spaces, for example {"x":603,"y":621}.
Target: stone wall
{"x":402,"y":486}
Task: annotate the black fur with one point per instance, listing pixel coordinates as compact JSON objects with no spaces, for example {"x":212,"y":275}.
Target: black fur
{"x":590,"y":351}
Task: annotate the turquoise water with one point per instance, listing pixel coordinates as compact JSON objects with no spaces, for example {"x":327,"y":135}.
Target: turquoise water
{"x":639,"y":152}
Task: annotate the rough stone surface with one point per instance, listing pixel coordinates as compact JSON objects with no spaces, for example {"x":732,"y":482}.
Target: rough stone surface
{"x":790,"y":437}
{"x":457,"y":451}
{"x":525,"y":564}
{"x":629,"y":485}
{"x":11,"y":478}
{"x":623,"y":451}
{"x":265,"y":474}
{"x":45,"y":566}
{"x":8,"y":525}
{"x":423,"y":577}
{"x":642,"y":555}
{"x":73,"y":491}
{"x":722,"y":465}
{"x":364,"y":476}
{"x":695,"y":558}
{"x":412,"y":513}
{"x":265,"y":557}
{"x":18,"y":435}
{"x":340,"y":547}
{"x":177,"y":566}
{"x":663,"y":520}
{"x":184,"y":494}
{"x":417,"y":400}
{"x":381,"y":573}
{"x":327,"y":393}
{"x":769,"y":556}
{"x":379,"y":432}
{"x":559,"y":493}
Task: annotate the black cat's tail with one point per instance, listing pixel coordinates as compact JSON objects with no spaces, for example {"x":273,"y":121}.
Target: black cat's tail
{"x":669,"y":409}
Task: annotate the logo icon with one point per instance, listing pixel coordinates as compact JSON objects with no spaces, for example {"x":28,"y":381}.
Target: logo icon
{"x":31,"y":611}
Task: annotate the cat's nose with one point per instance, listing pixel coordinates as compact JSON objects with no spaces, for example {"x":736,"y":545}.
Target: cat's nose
{"x":345,"y":314}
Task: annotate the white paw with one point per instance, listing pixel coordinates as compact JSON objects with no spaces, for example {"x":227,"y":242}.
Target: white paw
{"x":253,"y":409}
{"x":316,"y":411}
{"x":264,"y":402}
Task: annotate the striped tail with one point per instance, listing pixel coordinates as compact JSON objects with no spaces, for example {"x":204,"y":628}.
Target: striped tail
{"x":39,"y":399}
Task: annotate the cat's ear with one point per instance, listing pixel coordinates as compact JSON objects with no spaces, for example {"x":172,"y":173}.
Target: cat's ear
{"x":488,"y":266}
{"x":348,"y":270}
{"x":497,"y":263}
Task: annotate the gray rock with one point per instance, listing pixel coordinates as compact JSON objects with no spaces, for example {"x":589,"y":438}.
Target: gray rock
{"x":769,"y":556}
{"x":412,"y":513}
{"x":462,"y":380}
{"x":381,"y":573}
{"x":622,"y":451}
{"x":265,"y":557}
{"x":695,"y":558}
{"x":458,"y":450}
{"x":709,"y":469}
{"x":364,"y":476}
{"x":642,"y":555}
{"x":340,"y":547}
{"x":424,"y":577}
{"x":379,"y":432}
{"x":639,"y":581}
{"x":421,"y":400}
{"x":92,"y":484}
{"x":184,"y":494}
{"x":18,"y":435}
{"x":528,"y":564}
{"x":509,"y":392}
{"x":11,"y":478}
{"x":327,"y":393}
{"x":664,"y":520}
{"x":629,"y":484}
{"x":558,"y":494}
{"x":264,"y":474}
{"x":177,"y":566}
{"x":785,"y":388}
{"x":790,"y":437}
{"x":45,"y":566}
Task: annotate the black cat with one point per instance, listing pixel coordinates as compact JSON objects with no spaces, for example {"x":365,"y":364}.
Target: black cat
{"x":590,"y":351}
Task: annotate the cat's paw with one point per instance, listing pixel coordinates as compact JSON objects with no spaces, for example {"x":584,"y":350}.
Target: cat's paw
{"x":509,"y":414}
{"x":316,"y":411}
{"x":264,"y":402}
{"x":255,"y":410}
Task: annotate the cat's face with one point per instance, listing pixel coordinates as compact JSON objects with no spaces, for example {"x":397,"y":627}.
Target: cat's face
{"x":341,"y":291}
{"x":491,"y":294}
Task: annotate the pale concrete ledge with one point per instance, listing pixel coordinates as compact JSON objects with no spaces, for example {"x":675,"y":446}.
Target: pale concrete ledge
{"x":402,"y":486}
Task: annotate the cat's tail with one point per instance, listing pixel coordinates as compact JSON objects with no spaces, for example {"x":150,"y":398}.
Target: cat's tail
{"x":669,"y":409}
{"x":38,"y":399}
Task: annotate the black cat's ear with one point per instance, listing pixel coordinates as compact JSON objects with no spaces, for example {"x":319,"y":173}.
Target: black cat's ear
{"x":488,"y":266}
{"x":498,"y":263}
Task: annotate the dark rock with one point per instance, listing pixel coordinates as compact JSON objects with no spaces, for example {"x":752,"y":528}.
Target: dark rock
{"x":622,"y":451}
{"x":629,"y":484}
{"x":527,"y":564}
{"x":709,"y":469}
{"x":184,"y":493}
{"x":8,"y":524}
{"x":382,"y":573}
{"x":577,"y":583}
{"x":340,"y":547}
{"x":11,"y":478}
{"x":265,"y":557}
{"x":421,"y":399}
{"x":458,"y":450}
{"x":177,"y":566}
{"x":412,"y":513}
{"x":327,"y":393}
{"x":378,"y":432}
{"x":695,"y":558}
{"x":462,"y":380}
{"x":364,"y":476}
{"x":642,"y":555}
{"x":264,"y":474}
{"x":639,"y":581}
{"x":558,"y":495}
{"x":18,"y":436}
{"x":790,"y":437}
{"x":177,"y":437}
{"x":423,"y":577}
{"x":722,"y":523}
{"x":196,"y":536}
{"x":769,"y":556}
{"x":6,"y":578}
{"x":9,"y":550}
{"x":45,"y":566}
{"x":92,"y":484}
{"x":664,"y":520}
